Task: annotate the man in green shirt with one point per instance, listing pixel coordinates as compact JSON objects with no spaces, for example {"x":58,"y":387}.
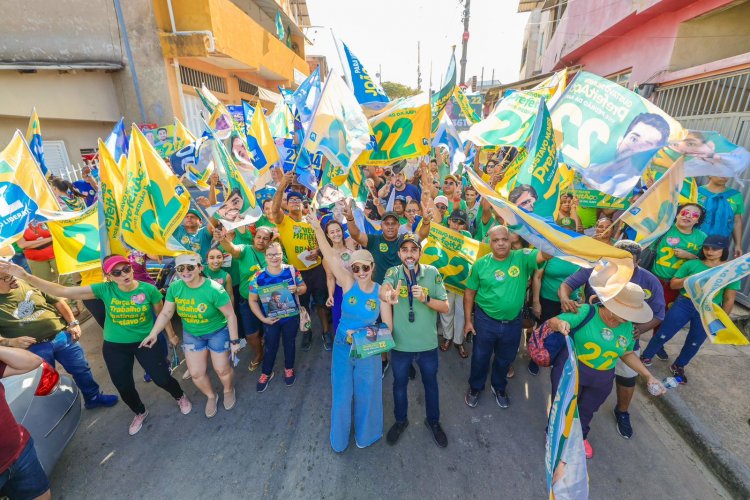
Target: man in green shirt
{"x":416,"y":293}
{"x":497,"y":284}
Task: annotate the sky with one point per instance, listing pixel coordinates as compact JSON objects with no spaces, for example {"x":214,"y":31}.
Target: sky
{"x":385,"y":33}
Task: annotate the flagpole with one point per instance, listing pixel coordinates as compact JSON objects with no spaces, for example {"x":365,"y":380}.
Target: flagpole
{"x":345,"y":67}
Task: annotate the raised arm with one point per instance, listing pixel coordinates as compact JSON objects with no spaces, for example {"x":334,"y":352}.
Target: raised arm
{"x":344,"y":277}
{"x":354,"y":231}
{"x":69,"y":292}
{"x":277,"y":215}
{"x":427,"y":211}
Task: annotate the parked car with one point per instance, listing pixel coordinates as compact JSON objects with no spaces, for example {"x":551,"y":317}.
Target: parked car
{"x":49,"y":406}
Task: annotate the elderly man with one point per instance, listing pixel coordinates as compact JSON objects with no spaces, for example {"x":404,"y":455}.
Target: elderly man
{"x":45,"y":325}
{"x":625,"y":377}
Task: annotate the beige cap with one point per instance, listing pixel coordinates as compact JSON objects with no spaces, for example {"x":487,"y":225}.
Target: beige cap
{"x":187,"y":258}
{"x":630,"y":304}
{"x":362,"y":256}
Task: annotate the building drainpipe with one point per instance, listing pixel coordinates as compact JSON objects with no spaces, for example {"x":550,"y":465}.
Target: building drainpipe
{"x":131,"y":62}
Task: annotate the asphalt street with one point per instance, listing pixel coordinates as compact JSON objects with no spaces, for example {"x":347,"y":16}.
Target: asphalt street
{"x":275,"y":444}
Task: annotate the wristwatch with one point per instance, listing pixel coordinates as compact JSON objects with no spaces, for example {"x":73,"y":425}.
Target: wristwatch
{"x":73,"y":323}
{"x":427,"y":300}
{"x":234,"y":342}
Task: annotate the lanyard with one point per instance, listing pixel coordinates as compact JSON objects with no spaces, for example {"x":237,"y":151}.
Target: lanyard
{"x":409,"y":284}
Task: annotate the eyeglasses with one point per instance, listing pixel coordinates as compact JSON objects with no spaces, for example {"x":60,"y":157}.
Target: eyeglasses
{"x":442,"y":207}
{"x":450,"y":182}
{"x":273,"y":255}
{"x":458,"y":221}
{"x":691,"y":214}
{"x":119,"y":272}
{"x":412,"y":211}
{"x":185,"y":267}
{"x":365,"y":268}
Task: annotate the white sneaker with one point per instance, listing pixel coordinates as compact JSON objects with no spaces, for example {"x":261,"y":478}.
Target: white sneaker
{"x":185,"y":405}
{"x":137,"y":423}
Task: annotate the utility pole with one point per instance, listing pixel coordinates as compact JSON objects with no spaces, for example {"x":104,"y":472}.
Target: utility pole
{"x":465,"y":41}
{"x":419,"y":69}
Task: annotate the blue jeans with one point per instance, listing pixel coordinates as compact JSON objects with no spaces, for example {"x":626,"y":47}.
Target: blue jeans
{"x":358,"y":381}
{"x":428,"y":368}
{"x":285,"y":329}
{"x":20,"y":260}
{"x":499,"y":337}
{"x":250,"y":324}
{"x":681,"y":312}
{"x":25,"y":478}
{"x":217,"y":341}
{"x":71,"y":356}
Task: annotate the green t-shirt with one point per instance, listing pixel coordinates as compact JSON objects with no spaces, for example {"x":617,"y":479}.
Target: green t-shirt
{"x":199,"y":307}
{"x":198,"y":242}
{"x":481,"y":229}
{"x":250,"y":261}
{"x":220,"y":276}
{"x":130,"y":315}
{"x":385,"y":254}
{"x":587,"y":216}
{"x":555,"y":272}
{"x":27,"y":312}
{"x":245,"y":238}
{"x":598,"y":346}
{"x":421,"y":335}
{"x":501,"y":284}
{"x":666,"y":263}
{"x":692,"y":267}
{"x":264,"y":222}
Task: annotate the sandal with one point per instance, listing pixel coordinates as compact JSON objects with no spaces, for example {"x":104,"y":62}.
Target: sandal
{"x":253,"y":365}
{"x":461,"y":351}
{"x":445,"y":345}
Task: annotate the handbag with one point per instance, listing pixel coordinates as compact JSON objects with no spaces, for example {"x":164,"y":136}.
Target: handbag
{"x":648,"y":255}
{"x":545,"y":343}
{"x":305,"y":324}
{"x":371,"y":341}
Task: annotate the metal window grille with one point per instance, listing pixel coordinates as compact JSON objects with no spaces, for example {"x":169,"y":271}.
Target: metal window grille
{"x":728,"y":93}
{"x":247,"y":87}
{"x":195,"y":78}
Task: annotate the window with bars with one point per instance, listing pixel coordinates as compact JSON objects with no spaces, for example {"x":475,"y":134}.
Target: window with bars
{"x":195,"y":78}
{"x":724,"y":94}
{"x":247,"y":87}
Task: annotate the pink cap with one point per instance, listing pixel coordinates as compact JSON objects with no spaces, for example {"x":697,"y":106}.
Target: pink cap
{"x":112,"y":261}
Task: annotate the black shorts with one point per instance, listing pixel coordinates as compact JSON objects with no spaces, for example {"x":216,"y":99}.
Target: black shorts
{"x":317,"y":287}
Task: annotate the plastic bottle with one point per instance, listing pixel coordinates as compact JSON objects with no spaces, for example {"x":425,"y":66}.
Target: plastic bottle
{"x":671,"y":382}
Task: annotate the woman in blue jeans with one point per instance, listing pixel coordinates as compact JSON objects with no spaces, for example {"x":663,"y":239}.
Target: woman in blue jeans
{"x":715,"y":251}
{"x":357,"y":381}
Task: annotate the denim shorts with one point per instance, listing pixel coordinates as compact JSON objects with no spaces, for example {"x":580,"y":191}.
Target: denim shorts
{"x":217,"y":342}
{"x":25,"y":477}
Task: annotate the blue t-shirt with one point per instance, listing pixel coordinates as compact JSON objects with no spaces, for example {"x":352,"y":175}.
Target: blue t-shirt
{"x":288,"y":276}
{"x":410,"y":190}
{"x":87,"y":189}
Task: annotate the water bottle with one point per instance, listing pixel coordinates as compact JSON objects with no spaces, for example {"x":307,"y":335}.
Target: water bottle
{"x":671,"y":382}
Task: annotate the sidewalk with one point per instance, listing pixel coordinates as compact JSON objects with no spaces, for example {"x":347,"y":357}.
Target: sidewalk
{"x":712,"y":411}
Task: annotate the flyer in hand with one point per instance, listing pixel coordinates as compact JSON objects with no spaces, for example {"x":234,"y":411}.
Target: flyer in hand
{"x":277,"y":301}
{"x":371,"y":340}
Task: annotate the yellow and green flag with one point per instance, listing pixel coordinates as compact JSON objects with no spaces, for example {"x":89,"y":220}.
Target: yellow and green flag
{"x":453,"y":254}
{"x":463,"y":103}
{"x":34,"y":138}
{"x":112,"y":185}
{"x":182,"y":136}
{"x":76,"y":241}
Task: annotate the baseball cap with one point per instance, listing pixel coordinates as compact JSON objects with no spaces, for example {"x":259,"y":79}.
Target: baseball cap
{"x":294,"y":194}
{"x":716,"y":241}
{"x":390,"y":214}
{"x":111,"y":261}
{"x":408,"y":238}
{"x":195,"y":212}
{"x":187,"y":258}
{"x":441,"y":199}
{"x":362,"y":256}
{"x":452,"y":177}
{"x":460,"y":215}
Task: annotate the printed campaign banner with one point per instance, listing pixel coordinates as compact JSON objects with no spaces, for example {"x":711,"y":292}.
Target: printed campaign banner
{"x":160,"y":137}
{"x":277,"y":301}
{"x":439,"y":99}
{"x":509,"y":124}
{"x":371,"y":340}
{"x":452,"y":254}
{"x":366,"y":90}
{"x":710,"y":153}
{"x":112,"y":185}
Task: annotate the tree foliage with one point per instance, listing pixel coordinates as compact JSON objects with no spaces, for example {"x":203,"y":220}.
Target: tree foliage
{"x":396,"y":90}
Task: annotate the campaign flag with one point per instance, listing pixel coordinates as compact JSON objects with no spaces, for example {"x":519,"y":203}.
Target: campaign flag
{"x":154,"y":201}
{"x":194,"y":163}
{"x":117,"y":141}
{"x":447,"y":136}
{"x":76,"y":241}
{"x":464,"y":105}
{"x":565,"y":456}
{"x":439,"y":99}
{"x":702,"y":289}
{"x":23,"y":190}
{"x":281,"y":121}
{"x":338,"y":128}
{"x":259,"y":138}
{"x":182,"y":136}
{"x":613,"y":267}
{"x":540,"y":168}
{"x":710,"y":153}
{"x":34,"y":138}
{"x":608,"y":133}
{"x":508,"y":182}
{"x":306,"y":97}
{"x":401,"y":131}
{"x":552,"y":88}
{"x":452,"y":254}
{"x":654,"y":212}
{"x":112,"y":186}
{"x":366,"y":90}
{"x":279,"y":27}
{"x":509,"y":124}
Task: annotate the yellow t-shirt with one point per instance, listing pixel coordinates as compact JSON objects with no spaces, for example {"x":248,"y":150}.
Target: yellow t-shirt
{"x":298,"y":239}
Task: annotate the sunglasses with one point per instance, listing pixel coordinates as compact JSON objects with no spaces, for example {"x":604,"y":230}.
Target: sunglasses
{"x":458,"y":221}
{"x":364,"y":268}
{"x":185,"y":267}
{"x":119,"y":272}
{"x":690,"y":213}
{"x":442,"y":207}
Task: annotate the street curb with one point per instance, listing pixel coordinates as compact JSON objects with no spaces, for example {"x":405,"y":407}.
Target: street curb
{"x":733,"y":473}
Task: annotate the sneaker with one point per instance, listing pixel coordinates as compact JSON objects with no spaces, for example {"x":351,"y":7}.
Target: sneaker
{"x":412,"y":372}
{"x":472,"y":398}
{"x":511,"y":372}
{"x":533,"y":368}
{"x":327,"y":341}
{"x":212,"y":406}
{"x":679,"y":371}
{"x":386,"y":364}
{"x":646,"y":361}
{"x":438,"y":435}
{"x":662,"y":355}
{"x":137,"y":423}
{"x":230,"y":399}
{"x":395,"y":431}
{"x":306,"y":341}
{"x":623,"y":423}
{"x":185,"y":405}
{"x":589,"y":450}
{"x":263,"y":381}
{"x":289,"y":377}
{"x":501,"y":398}
{"x":100,"y":400}
{"x":146,"y":378}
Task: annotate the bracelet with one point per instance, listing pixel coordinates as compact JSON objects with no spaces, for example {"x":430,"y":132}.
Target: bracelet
{"x":73,"y":323}
{"x":234,"y":342}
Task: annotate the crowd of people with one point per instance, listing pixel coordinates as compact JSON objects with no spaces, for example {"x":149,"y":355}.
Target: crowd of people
{"x":257,"y":286}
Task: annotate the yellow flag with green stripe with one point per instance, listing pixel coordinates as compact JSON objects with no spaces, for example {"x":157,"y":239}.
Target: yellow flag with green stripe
{"x":112,"y":177}
{"x":76,"y":241}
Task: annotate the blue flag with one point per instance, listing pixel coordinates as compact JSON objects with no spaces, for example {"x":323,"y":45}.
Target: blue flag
{"x":366,"y":90}
{"x":117,"y":141}
{"x":306,"y":98}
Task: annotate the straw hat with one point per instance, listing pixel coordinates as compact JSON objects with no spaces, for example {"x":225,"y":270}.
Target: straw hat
{"x":630,"y":304}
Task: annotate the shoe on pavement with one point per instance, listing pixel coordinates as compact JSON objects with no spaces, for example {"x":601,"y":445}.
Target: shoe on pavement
{"x":101,"y":400}
{"x":146,"y":378}
{"x":438,"y":434}
{"x":289,"y":377}
{"x":306,"y":341}
{"x":395,"y":431}
{"x":623,"y":423}
{"x":662,"y":355}
{"x":501,"y":398}
{"x":589,"y":450}
{"x":646,"y":361}
{"x":212,"y":406}
{"x":185,"y":405}
{"x":472,"y":398}
{"x":533,"y":368}
{"x":263,"y":381}
{"x":327,"y":341}
{"x":137,"y":423}
{"x":511,"y":372}
{"x":230,"y":399}
{"x":679,"y":371}
{"x":386,"y":364}
{"x":412,"y":372}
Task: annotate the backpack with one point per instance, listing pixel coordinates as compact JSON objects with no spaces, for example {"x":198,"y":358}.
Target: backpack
{"x":719,"y":214}
{"x":545,"y":344}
